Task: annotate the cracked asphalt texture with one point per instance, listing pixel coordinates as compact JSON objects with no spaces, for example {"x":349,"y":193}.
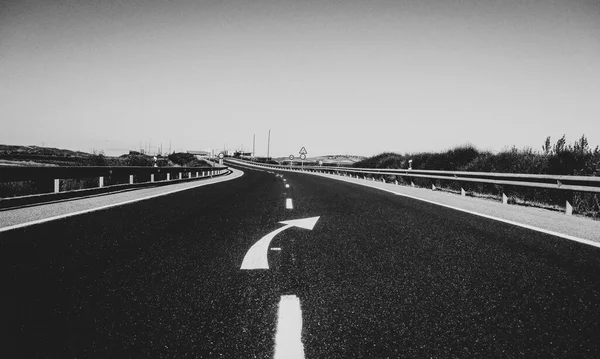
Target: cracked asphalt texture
{"x":380,"y":276}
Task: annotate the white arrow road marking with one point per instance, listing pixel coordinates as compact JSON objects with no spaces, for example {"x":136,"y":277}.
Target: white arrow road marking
{"x":288,"y":204}
{"x":288,"y":340}
{"x":256,"y":257}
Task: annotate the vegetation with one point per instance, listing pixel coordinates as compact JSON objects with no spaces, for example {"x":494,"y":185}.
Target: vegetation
{"x":559,"y":158}
{"x":42,"y":156}
{"x":185,"y":160}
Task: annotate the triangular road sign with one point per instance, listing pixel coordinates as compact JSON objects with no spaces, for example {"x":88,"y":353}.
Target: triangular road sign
{"x":303,"y":151}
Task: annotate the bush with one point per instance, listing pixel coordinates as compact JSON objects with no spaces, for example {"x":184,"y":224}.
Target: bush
{"x":182,"y":159}
{"x":558,"y":159}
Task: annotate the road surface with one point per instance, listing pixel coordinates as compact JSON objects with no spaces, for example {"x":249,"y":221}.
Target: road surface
{"x":377,"y":276}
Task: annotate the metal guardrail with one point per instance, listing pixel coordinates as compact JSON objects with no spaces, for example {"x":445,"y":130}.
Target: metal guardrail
{"x":568,"y":184}
{"x":43,"y":173}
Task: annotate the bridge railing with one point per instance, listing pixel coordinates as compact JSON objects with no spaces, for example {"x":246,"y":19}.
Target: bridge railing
{"x":141,"y":174}
{"x":566,"y":184}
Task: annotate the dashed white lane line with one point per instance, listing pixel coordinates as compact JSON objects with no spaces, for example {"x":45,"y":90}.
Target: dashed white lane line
{"x":533,"y":228}
{"x":288,"y":339}
{"x":275,"y":248}
{"x":288,"y":203}
{"x":287,"y":185}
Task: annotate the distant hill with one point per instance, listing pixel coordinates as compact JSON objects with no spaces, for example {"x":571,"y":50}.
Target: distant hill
{"x":42,"y":151}
{"x":13,"y":155}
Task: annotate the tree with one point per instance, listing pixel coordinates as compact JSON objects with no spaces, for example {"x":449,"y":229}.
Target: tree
{"x":547,"y":147}
{"x":581,"y":146}
{"x":560,"y":145}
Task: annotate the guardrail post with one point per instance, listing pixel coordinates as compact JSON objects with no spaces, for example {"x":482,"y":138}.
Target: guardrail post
{"x":568,"y":203}
{"x":568,"y":208}
{"x":101,"y":182}
{"x":504,"y":196}
{"x":130,"y":179}
{"x":168,"y":176}
{"x":56,"y":185}
{"x":151,"y":177}
{"x":180,"y":175}
{"x":196,"y":174}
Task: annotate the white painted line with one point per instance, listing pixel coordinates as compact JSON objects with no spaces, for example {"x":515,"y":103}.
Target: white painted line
{"x":275,"y":248}
{"x":523,"y":225}
{"x":256,"y":257}
{"x":288,"y":339}
{"x":284,"y":180}
{"x":287,"y":185}
{"x":557,"y":234}
{"x":66,"y":215}
{"x":288,"y":203}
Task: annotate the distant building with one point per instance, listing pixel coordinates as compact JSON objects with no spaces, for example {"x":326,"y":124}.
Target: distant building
{"x":242,"y":154}
{"x":202,"y":154}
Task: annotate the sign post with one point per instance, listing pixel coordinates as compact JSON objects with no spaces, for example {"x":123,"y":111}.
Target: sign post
{"x":291,"y":159}
{"x":302,"y":156}
{"x":221,"y":158}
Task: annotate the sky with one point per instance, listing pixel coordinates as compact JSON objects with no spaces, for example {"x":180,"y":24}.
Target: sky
{"x":335,"y":77}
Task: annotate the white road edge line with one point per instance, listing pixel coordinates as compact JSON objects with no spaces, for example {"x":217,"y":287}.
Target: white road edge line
{"x":288,"y":203}
{"x":275,"y":248}
{"x":533,"y":228}
{"x":48,"y":219}
{"x":288,"y":339}
{"x":546,"y":231}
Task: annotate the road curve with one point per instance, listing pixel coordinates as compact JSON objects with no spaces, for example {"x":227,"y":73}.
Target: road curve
{"x":378,"y":276}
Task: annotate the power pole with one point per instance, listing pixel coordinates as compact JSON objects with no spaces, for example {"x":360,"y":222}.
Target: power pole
{"x":269,"y":145}
{"x":253,"y":145}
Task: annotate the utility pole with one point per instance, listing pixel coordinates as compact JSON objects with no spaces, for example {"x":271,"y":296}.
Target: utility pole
{"x":253,"y":145}
{"x":269,"y":145}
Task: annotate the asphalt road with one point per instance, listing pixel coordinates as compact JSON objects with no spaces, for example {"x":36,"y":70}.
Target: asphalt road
{"x":379,"y":276}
